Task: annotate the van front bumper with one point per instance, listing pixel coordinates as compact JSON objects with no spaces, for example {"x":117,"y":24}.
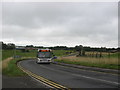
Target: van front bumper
{"x":43,"y":61}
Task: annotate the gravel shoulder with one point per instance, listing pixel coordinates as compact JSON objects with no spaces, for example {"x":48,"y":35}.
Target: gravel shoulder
{"x":21,"y":82}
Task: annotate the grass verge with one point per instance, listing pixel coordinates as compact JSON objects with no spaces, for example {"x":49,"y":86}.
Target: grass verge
{"x":7,"y":53}
{"x":91,"y":62}
{"x":12,"y":69}
{"x":9,"y":67}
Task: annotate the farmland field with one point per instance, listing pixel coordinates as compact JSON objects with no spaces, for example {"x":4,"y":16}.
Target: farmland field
{"x":7,"y":53}
{"x":31,"y":53}
{"x":106,"y":61}
{"x":61,"y":52}
{"x":9,"y":66}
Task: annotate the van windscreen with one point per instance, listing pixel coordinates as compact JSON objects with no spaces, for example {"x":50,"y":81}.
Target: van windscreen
{"x":45,"y":54}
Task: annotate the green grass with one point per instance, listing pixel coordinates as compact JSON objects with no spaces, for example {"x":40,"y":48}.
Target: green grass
{"x":31,"y":53}
{"x":109,"y":62}
{"x":0,"y":55}
{"x":113,"y":55}
{"x":11,"y":53}
{"x":107,"y":66}
{"x":61,"y":52}
{"x":7,"y":53}
{"x":12,"y":69}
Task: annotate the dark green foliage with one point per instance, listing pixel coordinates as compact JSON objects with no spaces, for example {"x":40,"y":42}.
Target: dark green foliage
{"x":29,"y":46}
{"x":8,"y":46}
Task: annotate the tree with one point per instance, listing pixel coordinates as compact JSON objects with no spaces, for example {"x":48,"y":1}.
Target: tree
{"x":83,"y":52}
{"x":4,"y":46}
{"x":29,"y":46}
{"x":8,"y":46}
{"x":79,"y":49}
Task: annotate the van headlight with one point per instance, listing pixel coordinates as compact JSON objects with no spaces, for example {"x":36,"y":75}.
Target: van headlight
{"x":39,"y":59}
{"x":49,"y":59}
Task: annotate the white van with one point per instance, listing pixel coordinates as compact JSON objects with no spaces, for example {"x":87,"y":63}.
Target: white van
{"x":45,"y":56}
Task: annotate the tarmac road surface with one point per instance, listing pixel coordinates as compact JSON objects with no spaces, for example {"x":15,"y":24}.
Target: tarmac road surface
{"x":72,"y":77}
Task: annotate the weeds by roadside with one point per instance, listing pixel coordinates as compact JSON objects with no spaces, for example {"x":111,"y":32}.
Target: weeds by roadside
{"x":12,"y":69}
{"x":109,"y":63}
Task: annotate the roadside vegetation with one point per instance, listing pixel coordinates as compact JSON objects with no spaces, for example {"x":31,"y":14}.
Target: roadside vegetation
{"x":62,"y":52}
{"x":86,"y":56}
{"x":106,"y":61}
{"x":12,"y":69}
{"x":10,"y":57}
{"x":94,"y":57}
{"x":7,"y":53}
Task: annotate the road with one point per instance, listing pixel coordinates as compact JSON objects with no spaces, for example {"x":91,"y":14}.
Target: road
{"x":72,"y":77}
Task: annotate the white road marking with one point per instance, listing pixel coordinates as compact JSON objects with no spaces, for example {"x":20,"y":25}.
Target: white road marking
{"x":116,"y":83}
{"x":96,"y":79}
{"x":88,"y":70}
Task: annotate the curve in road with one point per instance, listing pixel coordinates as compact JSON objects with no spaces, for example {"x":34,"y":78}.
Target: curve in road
{"x":71,"y":77}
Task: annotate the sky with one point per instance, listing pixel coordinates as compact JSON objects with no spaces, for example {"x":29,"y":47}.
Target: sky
{"x":69,"y":24}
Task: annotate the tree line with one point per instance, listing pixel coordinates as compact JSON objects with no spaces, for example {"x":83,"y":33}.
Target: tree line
{"x":80,"y":48}
{"x":7,"y":46}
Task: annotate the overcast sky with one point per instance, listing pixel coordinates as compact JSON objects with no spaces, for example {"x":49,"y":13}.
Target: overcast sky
{"x":62,"y":23}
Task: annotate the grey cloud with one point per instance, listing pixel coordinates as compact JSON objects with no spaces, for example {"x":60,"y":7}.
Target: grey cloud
{"x":61,"y":23}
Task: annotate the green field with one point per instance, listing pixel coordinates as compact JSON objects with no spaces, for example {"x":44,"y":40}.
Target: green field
{"x":11,"y":53}
{"x":12,"y":69}
{"x":61,"y":52}
{"x":7,"y":53}
{"x":109,"y":62}
{"x":107,"y":66}
{"x":113,"y":55}
{"x":31,"y":53}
